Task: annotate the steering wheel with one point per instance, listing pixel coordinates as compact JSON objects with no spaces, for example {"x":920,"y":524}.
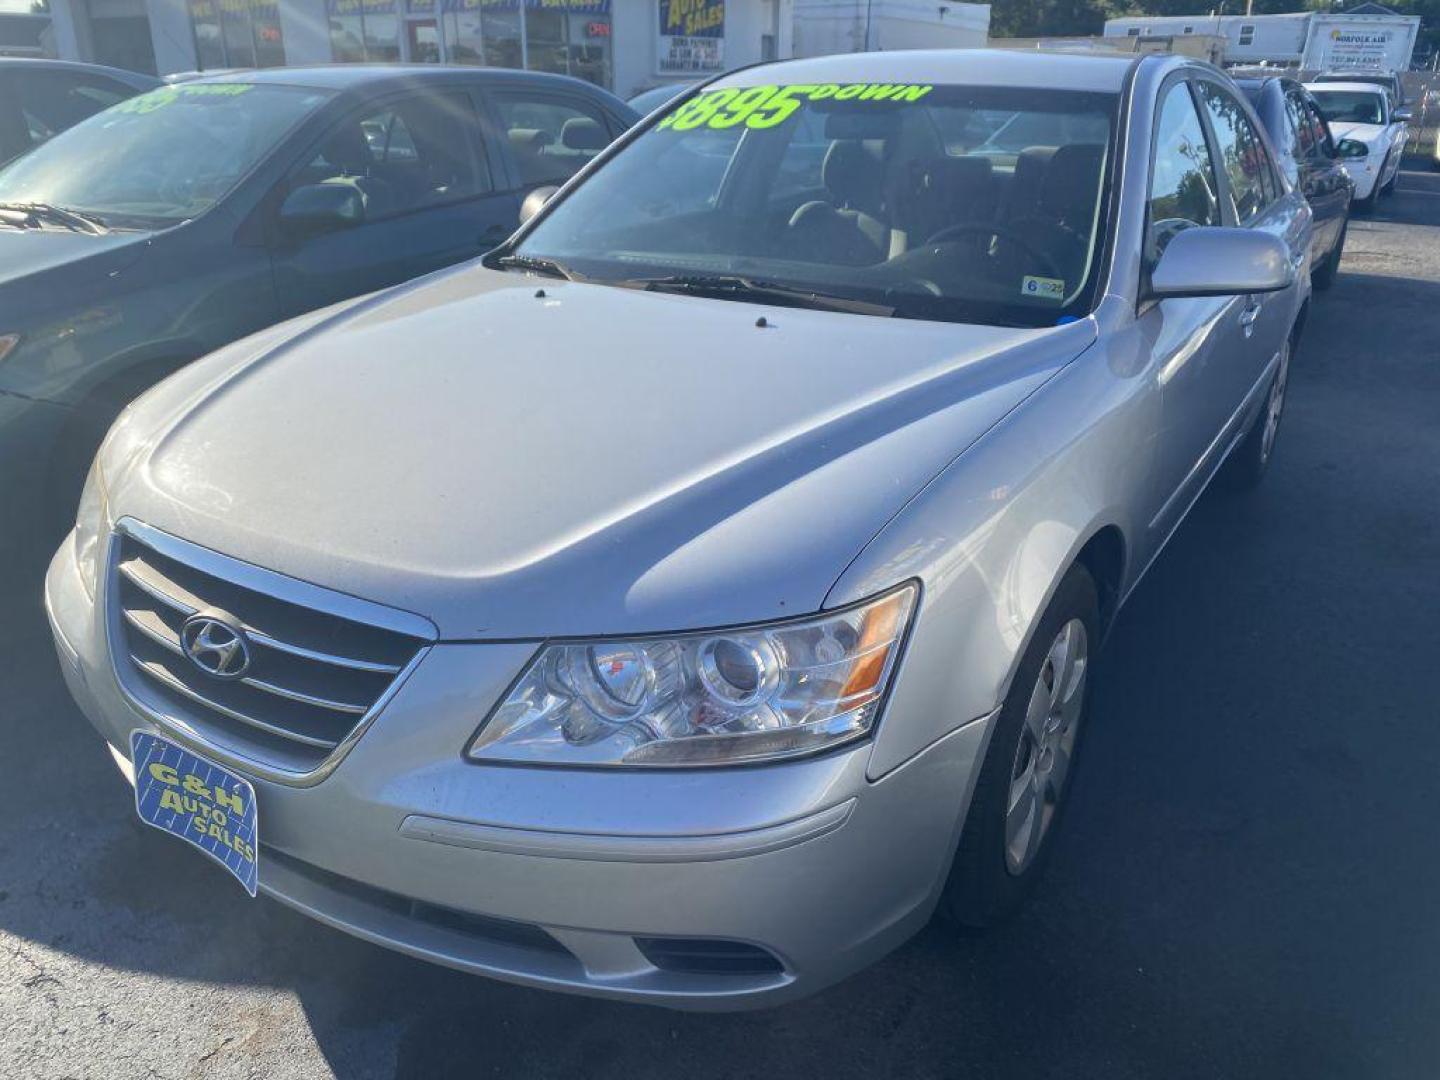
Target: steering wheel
{"x":1000,"y":232}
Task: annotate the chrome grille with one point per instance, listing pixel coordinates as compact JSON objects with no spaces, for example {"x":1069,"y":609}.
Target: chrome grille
{"x":321,"y":663}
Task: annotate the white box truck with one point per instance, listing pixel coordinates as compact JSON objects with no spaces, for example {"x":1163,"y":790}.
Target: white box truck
{"x":1360,"y":42}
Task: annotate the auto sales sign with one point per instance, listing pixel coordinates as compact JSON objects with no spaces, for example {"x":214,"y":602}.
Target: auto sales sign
{"x":692,"y":37}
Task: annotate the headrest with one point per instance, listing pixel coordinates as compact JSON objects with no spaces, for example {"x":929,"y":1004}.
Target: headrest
{"x":870,"y":122}
{"x":582,"y":133}
{"x":1072,"y":182}
{"x":853,"y":173}
{"x":346,"y":148}
{"x":530,"y":138}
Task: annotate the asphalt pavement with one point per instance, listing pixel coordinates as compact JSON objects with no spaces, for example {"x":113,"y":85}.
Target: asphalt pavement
{"x":1248,"y":884}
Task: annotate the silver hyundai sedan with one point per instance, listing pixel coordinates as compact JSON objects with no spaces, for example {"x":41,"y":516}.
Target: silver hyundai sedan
{"x":689,"y":599}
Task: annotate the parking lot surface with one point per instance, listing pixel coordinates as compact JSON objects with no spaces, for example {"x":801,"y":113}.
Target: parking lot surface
{"x":1246,"y":885}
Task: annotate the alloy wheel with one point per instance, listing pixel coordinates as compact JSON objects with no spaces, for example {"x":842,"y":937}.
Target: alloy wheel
{"x":1275,"y":405}
{"x":1047,"y":746}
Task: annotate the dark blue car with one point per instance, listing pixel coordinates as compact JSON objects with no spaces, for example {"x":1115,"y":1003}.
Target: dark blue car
{"x":41,"y":98}
{"x":190,"y":216}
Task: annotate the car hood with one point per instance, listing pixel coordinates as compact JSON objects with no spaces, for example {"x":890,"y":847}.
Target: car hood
{"x":517,"y":458}
{"x":1366,"y":133}
{"x":32,"y":253}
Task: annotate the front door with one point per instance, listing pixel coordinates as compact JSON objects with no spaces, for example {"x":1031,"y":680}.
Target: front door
{"x":421,"y":165}
{"x":1322,"y":177}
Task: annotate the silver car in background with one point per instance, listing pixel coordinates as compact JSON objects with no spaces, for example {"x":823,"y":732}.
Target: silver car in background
{"x":684,"y":604}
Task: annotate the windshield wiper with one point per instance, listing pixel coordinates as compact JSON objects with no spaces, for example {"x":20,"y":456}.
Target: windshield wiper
{"x":535,"y":265}
{"x":732,"y":287}
{"x":58,"y":215}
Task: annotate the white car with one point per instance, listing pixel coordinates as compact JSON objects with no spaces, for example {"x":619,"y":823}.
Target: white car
{"x":1361,"y":112}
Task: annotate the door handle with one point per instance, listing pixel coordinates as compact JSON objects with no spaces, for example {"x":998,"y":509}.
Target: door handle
{"x":1249,"y":315}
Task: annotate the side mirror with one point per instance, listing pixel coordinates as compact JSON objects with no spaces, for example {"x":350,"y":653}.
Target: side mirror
{"x":1352,"y":148}
{"x":535,"y":201}
{"x":322,"y":208}
{"x":1220,"y":261}
{"x":1401,"y":115}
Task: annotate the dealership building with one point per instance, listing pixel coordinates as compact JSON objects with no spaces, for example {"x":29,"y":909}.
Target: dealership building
{"x":623,"y":45}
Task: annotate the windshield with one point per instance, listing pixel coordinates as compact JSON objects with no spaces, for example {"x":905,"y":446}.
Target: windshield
{"x":970,"y":204}
{"x":1350,"y":106}
{"x":161,"y":157}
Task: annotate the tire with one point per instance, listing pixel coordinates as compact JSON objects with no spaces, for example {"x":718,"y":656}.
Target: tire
{"x":998,"y":863}
{"x":1388,"y":188}
{"x":1324,"y":275}
{"x":1251,"y":459}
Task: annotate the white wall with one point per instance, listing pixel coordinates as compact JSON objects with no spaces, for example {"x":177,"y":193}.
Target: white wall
{"x":65,"y":26}
{"x":171,"y":35}
{"x":823,"y":27}
{"x":635,"y":30}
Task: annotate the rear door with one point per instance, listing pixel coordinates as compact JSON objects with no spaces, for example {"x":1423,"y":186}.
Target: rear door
{"x":1254,"y":199}
{"x":426,"y":172}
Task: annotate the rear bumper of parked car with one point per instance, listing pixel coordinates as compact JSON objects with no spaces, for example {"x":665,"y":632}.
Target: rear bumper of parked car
{"x":701,"y":889}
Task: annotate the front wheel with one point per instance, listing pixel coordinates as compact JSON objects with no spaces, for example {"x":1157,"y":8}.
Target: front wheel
{"x":1021,"y":791}
{"x":1252,"y":457}
{"x":1324,"y":275}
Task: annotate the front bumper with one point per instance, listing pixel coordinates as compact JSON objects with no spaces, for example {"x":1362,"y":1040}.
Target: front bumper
{"x":1364,"y":175}
{"x":563,"y":879}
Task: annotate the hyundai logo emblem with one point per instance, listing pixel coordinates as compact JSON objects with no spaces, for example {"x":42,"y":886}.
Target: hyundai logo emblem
{"x":216,"y":645}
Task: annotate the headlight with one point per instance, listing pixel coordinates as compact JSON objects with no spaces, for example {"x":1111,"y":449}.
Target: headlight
{"x":92,"y":522}
{"x":714,"y":698}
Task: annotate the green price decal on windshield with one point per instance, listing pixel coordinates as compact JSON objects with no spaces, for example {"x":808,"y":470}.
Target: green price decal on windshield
{"x":168,"y":95}
{"x":770,"y":106}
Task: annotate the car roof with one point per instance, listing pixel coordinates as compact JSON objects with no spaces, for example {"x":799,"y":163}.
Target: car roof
{"x":1102,"y":72}
{"x":27,"y":63}
{"x":1356,"y":76}
{"x":357,"y":76}
{"x":1360,"y":87}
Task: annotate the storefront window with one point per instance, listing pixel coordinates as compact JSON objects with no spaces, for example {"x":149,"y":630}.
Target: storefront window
{"x":269,"y":41}
{"x":500,"y":32}
{"x":237,"y":33}
{"x":462,"y":33}
{"x":382,"y":30}
{"x":545,"y":40}
{"x":571,"y":37}
{"x":209,"y":46}
{"x":590,"y":47}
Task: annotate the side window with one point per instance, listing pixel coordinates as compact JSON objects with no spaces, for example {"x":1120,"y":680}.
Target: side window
{"x":1183,"y":192}
{"x":1325,"y":146}
{"x":1297,"y":125}
{"x":1247,"y":163}
{"x":51,"y":101}
{"x":551,"y":138}
{"x":420,"y":151}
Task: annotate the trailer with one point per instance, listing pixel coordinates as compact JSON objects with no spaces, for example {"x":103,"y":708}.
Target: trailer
{"x":1305,"y":40}
{"x":1360,"y":42}
{"x":1249,"y":39}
